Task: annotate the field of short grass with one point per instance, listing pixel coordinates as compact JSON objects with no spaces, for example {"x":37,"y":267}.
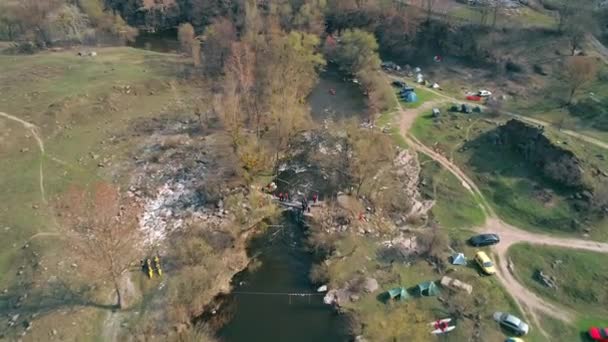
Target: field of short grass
{"x":454,"y":207}
{"x":580,"y":277}
{"x":81,"y":105}
{"x":513,"y":188}
{"x":549,"y":104}
{"x":521,"y":17}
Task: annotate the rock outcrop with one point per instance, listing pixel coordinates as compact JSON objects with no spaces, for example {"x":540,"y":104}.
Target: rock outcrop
{"x":556,"y":163}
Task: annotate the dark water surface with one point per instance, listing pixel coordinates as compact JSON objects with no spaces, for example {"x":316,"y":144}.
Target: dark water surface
{"x":269,"y":317}
{"x":345,"y":101}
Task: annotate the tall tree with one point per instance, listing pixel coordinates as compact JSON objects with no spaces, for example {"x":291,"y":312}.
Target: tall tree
{"x":217,"y":40}
{"x":357,"y":50}
{"x":289,"y":68}
{"x":103,"y":228}
{"x":575,"y":21}
{"x":34,"y":14}
{"x":578,"y":72}
{"x":189,"y":43}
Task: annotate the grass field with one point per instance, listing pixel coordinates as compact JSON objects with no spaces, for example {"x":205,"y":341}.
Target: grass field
{"x":522,"y":17}
{"x":511,"y":185}
{"x":80,"y":105}
{"x":580,"y":277}
{"x":454,"y":208}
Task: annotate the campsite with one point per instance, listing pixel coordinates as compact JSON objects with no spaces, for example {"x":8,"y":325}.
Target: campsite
{"x":191,"y":170}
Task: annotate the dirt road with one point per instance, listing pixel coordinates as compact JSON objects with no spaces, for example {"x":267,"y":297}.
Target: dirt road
{"x":509,"y":234}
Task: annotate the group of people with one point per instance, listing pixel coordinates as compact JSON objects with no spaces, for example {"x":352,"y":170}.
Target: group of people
{"x":149,"y":266}
{"x":284,"y":197}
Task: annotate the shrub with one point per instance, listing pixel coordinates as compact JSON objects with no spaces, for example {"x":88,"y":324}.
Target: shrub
{"x":511,"y":66}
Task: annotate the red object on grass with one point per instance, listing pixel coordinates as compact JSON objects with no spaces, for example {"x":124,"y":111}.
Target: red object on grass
{"x":474,"y":98}
{"x":598,"y":334}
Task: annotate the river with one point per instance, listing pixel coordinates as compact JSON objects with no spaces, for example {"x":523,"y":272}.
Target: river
{"x":262,"y":310}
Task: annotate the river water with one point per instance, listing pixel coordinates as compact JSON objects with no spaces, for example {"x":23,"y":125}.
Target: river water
{"x":262,"y":310}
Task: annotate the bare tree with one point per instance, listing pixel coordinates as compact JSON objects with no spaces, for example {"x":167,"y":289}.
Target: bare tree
{"x":578,"y":72}
{"x":103,"y":229}
{"x":34,"y":14}
{"x":189,"y":43}
{"x":186,"y":36}
{"x":575,"y":21}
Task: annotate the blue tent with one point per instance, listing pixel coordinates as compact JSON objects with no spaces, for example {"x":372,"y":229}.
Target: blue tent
{"x":410,"y":97}
{"x":459,"y":259}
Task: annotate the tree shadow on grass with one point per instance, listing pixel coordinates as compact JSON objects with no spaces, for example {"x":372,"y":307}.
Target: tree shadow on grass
{"x":27,"y":299}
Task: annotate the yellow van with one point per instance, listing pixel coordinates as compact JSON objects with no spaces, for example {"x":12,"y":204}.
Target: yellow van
{"x":487,"y":266}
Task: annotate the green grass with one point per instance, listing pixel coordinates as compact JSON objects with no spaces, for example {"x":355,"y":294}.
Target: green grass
{"x":75,"y":103}
{"x":509,"y":184}
{"x":423,"y":96}
{"x":454,"y":206}
{"x":524,"y":16}
{"x":548,"y":103}
{"x":581,"y":278}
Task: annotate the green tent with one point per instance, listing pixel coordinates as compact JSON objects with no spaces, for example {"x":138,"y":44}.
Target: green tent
{"x":400,"y":292}
{"x":427,"y":289}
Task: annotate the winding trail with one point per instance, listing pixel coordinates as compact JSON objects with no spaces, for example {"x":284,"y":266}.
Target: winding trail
{"x":36,"y":134}
{"x":509,"y":234}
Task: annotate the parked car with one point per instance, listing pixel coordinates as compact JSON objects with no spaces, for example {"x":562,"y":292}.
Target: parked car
{"x":484,"y":93}
{"x":484,"y":240}
{"x":487,"y":266}
{"x":598,"y":334}
{"x":390,"y":66}
{"x":511,"y":323}
{"x":466,"y":109}
{"x":399,"y":84}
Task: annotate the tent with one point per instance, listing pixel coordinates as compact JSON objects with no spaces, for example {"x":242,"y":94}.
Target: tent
{"x":427,"y":289}
{"x":400,"y":292}
{"x":410,"y":97}
{"x":459,"y":259}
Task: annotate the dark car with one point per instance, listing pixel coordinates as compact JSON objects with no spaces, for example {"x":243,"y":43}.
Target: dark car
{"x":399,"y":84}
{"x":484,"y":240}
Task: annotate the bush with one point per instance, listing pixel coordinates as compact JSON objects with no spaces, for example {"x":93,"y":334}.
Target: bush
{"x":603,"y":75}
{"x":511,"y":66}
{"x":25,"y":47}
{"x":539,"y":69}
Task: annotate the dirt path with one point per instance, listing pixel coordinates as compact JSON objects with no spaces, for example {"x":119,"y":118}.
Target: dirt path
{"x":580,"y":136}
{"x":509,"y":234}
{"x":409,"y":115}
{"x":35,"y":133}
